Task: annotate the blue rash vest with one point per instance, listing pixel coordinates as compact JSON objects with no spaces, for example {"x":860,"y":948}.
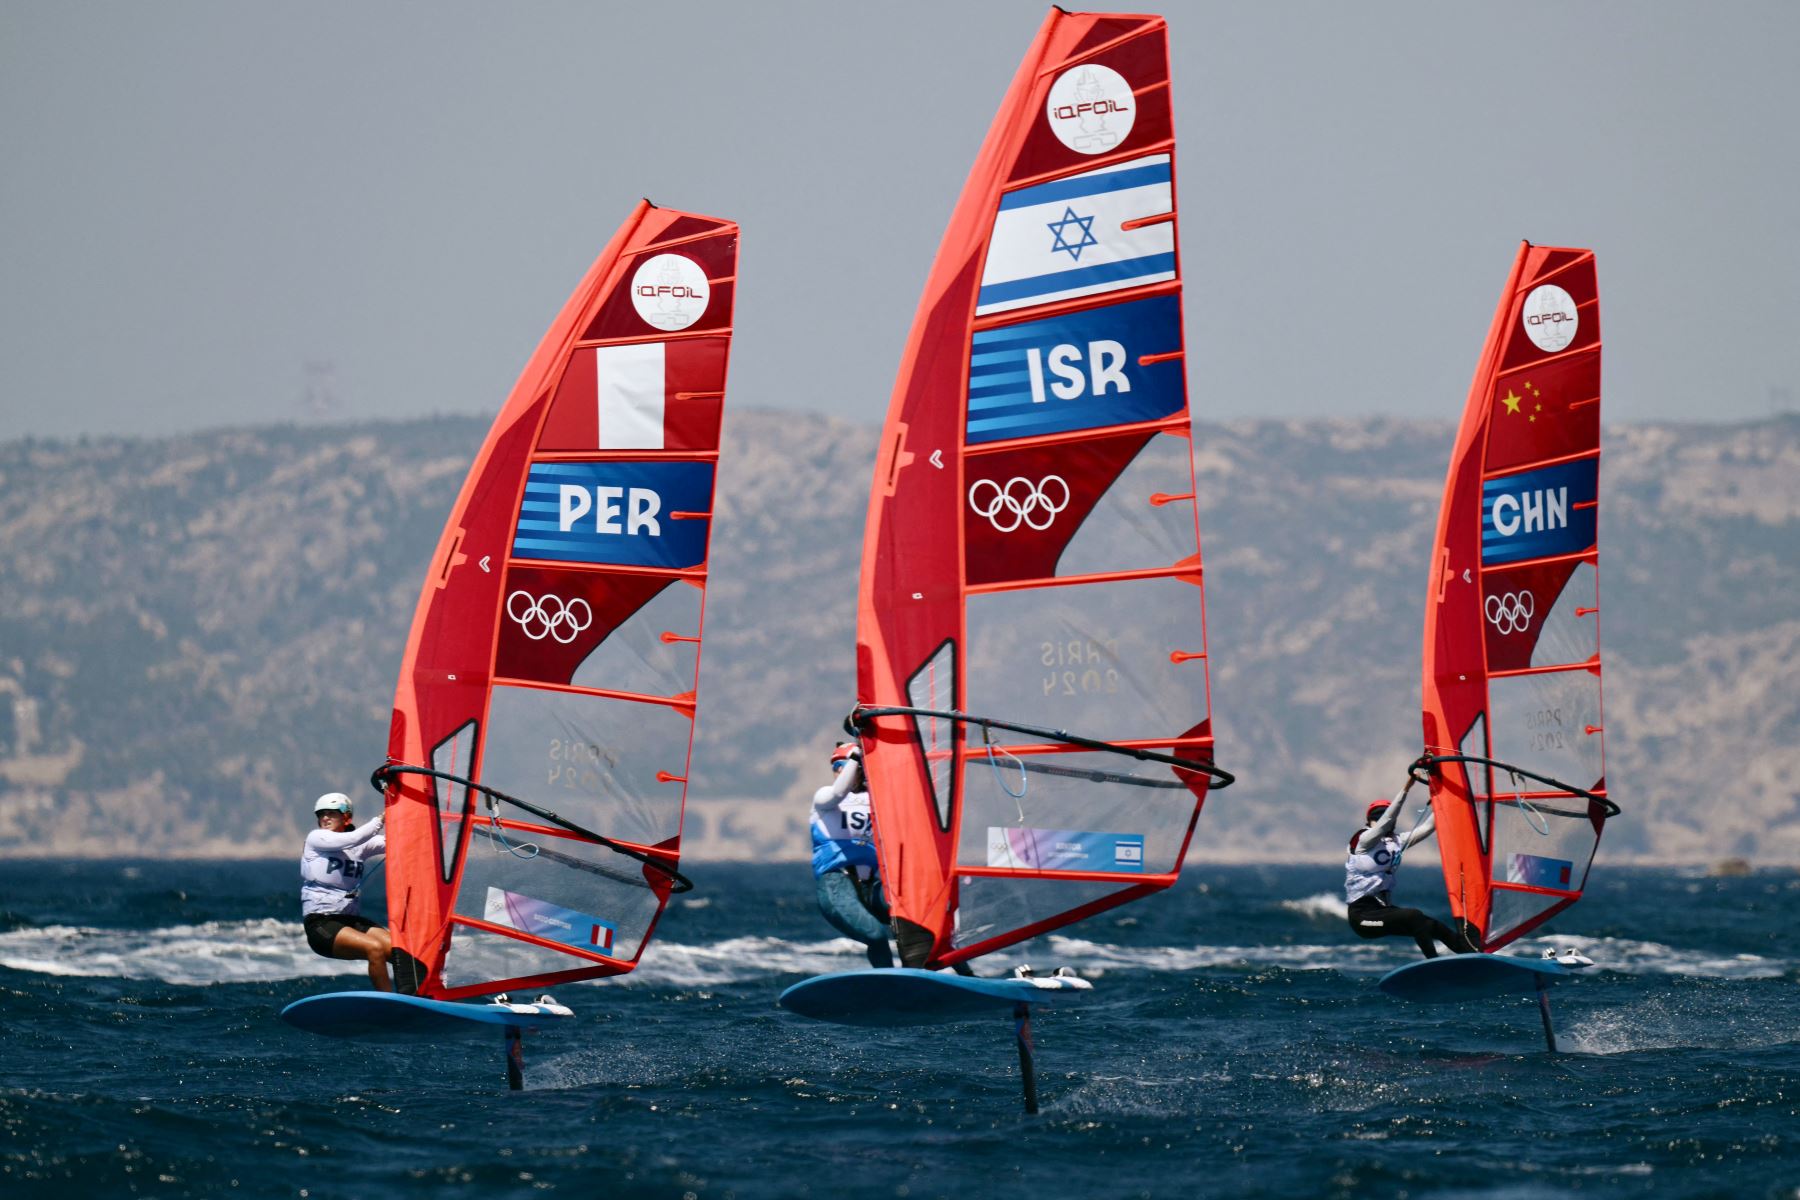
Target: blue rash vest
{"x":843,"y":828}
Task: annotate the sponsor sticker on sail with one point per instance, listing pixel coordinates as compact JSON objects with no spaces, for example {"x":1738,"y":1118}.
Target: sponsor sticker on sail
{"x":1091,"y":109}
{"x":670,"y":291}
{"x":1067,"y":238}
{"x":1550,"y":318}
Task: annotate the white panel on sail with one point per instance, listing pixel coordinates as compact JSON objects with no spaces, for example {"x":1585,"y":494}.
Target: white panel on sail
{"x":1567,"y":637}
{"x":990,"y":905}
{"x":1098,"y":658}
{"x":592,"y":760}
{"x":1543,"y":722}
{"x":1139,"y":522}
{"x":635,"y":657}
{"x":1084,"y":812}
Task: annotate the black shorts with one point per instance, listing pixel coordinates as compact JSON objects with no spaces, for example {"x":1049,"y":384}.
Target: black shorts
{"x":322,"y":929}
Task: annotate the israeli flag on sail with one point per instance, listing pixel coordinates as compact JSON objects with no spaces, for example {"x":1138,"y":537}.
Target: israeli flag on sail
{"x":1064,"y":238}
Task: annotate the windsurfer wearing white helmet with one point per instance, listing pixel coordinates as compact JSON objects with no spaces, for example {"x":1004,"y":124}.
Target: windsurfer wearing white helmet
{"x":845,"y":866}
{"x":331,"y":877}
{"x":1369,"y":872}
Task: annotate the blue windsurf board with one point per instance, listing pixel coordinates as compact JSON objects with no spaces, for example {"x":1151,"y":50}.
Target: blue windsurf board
{"x":389,"y":1015}
{"x":905,"y":996}
{"x":1452,"y":977}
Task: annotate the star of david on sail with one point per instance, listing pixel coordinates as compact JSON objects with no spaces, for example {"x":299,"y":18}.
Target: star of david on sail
{"x":1061,"y":231}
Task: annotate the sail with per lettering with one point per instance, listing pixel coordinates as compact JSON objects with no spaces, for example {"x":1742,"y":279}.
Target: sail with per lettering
{"x":545,"y":709}
{"x":1031,"y":651}
{"x":1513,"y":723}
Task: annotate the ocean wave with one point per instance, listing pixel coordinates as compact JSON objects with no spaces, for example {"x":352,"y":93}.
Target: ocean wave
{"x":1628,"y":957}
{"x":271,"y":950}
{"x":195,"y":955}
{"x":1320,"y":904}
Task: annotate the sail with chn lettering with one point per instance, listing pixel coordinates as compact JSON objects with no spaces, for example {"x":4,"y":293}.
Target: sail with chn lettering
{"x":1514,"y":733}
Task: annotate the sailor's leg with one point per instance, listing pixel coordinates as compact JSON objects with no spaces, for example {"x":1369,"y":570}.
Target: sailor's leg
{"x":373,"y":944}
{"x":1404,"y":922}
{"x":842,"y":906}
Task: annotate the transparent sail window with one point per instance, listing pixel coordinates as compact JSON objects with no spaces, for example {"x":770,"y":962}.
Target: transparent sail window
{"x":1103,"y":660}
{"x":561,"y":889}
{"x":613,"y":767}
{"x":1075,"y":812}
{"x":1146,"y":518}
{"x":993,"y":906}
{"x":1548,"y":723}
{"x":455,"y":755}
{"x":933,"y":686}
{"x":635,"y":657}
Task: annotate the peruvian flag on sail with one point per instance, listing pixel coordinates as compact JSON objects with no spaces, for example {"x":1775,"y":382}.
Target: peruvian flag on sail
{"x":639,"y":396}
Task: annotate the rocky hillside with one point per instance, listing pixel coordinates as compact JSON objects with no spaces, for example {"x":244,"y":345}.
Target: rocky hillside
{"x":197,"y":634}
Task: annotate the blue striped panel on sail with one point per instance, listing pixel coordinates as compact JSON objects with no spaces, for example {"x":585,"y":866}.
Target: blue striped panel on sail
{"x":1081,"y":370}
{"x":615,"y":512}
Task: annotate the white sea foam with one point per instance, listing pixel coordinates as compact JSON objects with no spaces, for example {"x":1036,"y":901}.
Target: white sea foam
{"x":271,"y":949}
{"x":1320,"y":904}
{"x":1096,"y":958}
{"x":212,"y":952}
{"x":1628,"y":957}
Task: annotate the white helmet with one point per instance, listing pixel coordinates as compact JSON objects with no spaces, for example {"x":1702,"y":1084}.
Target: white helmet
{"x":335,"y":802}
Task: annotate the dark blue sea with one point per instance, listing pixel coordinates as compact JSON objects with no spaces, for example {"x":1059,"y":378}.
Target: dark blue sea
{"x":1235,"y":1045}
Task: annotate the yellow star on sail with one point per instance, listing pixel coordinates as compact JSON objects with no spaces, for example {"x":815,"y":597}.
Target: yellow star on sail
{"x":1511,"y":400}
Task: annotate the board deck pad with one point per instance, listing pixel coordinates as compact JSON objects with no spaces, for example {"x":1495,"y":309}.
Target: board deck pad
{"x":905,"y":996}
{"x":1454,"y":977}
{"x":389,"y":1015}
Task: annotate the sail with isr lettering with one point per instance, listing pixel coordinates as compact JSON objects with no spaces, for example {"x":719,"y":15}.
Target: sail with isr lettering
{"x":1031,"y":650}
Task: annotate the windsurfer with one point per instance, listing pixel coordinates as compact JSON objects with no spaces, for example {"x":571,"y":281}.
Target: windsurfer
{"x":332,"y":870}
{"x":1369,"y":872}
{"x":844,"y":862}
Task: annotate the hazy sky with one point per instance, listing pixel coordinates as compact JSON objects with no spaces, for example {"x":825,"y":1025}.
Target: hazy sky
{"x":212,"y":209}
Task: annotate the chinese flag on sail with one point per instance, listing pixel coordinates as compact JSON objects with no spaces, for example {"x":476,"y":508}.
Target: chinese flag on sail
{"x":1544,"y":412}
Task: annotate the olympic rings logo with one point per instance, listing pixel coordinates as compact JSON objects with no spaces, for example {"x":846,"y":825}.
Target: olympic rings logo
{"x":1020,"y":502}
{"x":1512,"y":612}
{"x":550,"y":617}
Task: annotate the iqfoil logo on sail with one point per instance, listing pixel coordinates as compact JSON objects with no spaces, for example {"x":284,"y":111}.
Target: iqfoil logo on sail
{"x":1550,"y":318}
{"x":670,"y":291}
{"x":1539,"y":514}
{"x":1091,"y":109}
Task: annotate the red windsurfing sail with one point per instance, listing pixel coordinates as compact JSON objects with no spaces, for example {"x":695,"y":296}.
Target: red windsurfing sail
{"x":1512,"y":614}
{"x":1031,"y":654}
{"x":545,"y":710}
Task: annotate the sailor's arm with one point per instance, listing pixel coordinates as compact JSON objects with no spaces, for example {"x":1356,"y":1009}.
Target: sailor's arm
{"x":1385,"y":825}
{"x":848,"y":777}
{"x":320,"y":839}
